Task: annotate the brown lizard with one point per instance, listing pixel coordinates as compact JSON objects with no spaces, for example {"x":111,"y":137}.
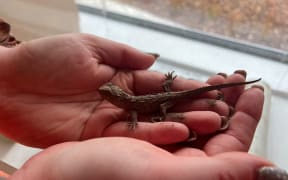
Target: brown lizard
{"x":159,"y":102}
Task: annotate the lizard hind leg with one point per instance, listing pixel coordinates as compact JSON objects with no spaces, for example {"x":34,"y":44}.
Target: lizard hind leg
{"x":169,"y":78}
{"x":163,"y":108}
{"x":163,"y":111}
{"x":132,"y":121}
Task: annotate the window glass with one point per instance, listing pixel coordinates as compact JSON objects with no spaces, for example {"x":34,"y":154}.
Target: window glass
{"x":264,"y":22}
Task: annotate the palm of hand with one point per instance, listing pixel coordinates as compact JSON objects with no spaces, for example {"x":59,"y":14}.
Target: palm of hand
{"x":56,"y":94}
{"x":127,"y":158}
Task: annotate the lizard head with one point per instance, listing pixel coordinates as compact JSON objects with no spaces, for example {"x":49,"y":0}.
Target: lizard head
{"x":111,"y":92}
{"x":106,"y":89}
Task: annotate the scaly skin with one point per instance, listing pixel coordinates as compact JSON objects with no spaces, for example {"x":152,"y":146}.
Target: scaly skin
{"x":151,"y":103}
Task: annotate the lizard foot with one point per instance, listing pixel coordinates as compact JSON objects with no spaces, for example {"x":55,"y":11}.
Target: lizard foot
{"x":132,"y":122}
{"x":175,"y":117}
{"x":211,"y":102}
{"x":132,"y":125}
{"x":156,"y":119}
{"x":169,"y":78}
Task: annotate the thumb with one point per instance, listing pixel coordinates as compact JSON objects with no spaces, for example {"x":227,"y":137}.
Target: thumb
{"x":119,"y":55}
{"x":239,"y":166}
{"x":226,"y":166}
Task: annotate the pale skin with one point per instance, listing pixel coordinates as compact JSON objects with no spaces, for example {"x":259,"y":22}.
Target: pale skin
{"x":49,"y":95}
{"x":119,"y":158}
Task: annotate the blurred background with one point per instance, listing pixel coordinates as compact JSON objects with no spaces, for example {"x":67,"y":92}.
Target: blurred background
{"x":195,"y":38}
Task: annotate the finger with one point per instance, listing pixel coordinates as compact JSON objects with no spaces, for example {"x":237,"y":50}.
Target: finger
{"x":240,"y":166}
{"x":118,"y":55}
{"x":243,"y":123}
{"x":217,"y":106}
{"x":219,"y":78}
{"x":189,"y":152}
{"x":248,"y":113}
{"x":200,"y":122}
{"x":235,"y":165}
{"x":156,"y":133}
{"x":169,"y":131}
{"x":232,"y":94}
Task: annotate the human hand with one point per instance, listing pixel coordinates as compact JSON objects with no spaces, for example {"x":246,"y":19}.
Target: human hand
{"x":49,"y":92}
{"x":117,"y":158}
{"x":125,"y":158}
{"x":245,"y":112}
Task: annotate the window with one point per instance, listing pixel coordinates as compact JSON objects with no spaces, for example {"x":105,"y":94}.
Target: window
{"x":255,"y":26}
{"x":259,"y":21}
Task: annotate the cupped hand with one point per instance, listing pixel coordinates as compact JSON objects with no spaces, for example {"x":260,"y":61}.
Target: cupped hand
{"x":119,"y":158}
{"x":244,"y":112}
{"x":49,"y":92}
{"x":246,"y":107}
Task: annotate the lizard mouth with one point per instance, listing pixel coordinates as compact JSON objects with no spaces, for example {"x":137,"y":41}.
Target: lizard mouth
{"x":104,"y":90}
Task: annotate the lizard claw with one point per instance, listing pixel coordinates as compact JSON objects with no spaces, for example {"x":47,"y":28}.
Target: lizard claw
{"x":156,"y":119}
{"x":132,"y":125}
{"x":192,"y":136}
{"x":170,"y":76}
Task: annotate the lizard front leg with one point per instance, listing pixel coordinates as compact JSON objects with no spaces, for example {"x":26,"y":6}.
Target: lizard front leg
{"x":169,"y":78}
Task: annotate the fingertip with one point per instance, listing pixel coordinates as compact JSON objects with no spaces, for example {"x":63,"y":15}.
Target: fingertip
{"x":242,"y":165}
{"x":135,"y":59}
{"x":241,"y":72}
{"x":272,"y":173}
{"x":117,"y":54}
{"x":218,"y":78}
{"x":259,"y":87}
{"x":155,"y":55}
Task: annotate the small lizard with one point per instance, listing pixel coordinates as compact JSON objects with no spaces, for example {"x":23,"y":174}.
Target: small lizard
{"x":159,"y":102}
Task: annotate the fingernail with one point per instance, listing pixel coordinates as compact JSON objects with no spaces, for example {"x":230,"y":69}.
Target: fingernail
{"x":259,"y":87}
{"x":222,"y":74}
{"x":272,"y":173}
{"x":220,"y":96}
{"x":224,"y":123}
{"x":241,"y":72}
{"x":192,"y":136}
{"x":153,"y":54}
